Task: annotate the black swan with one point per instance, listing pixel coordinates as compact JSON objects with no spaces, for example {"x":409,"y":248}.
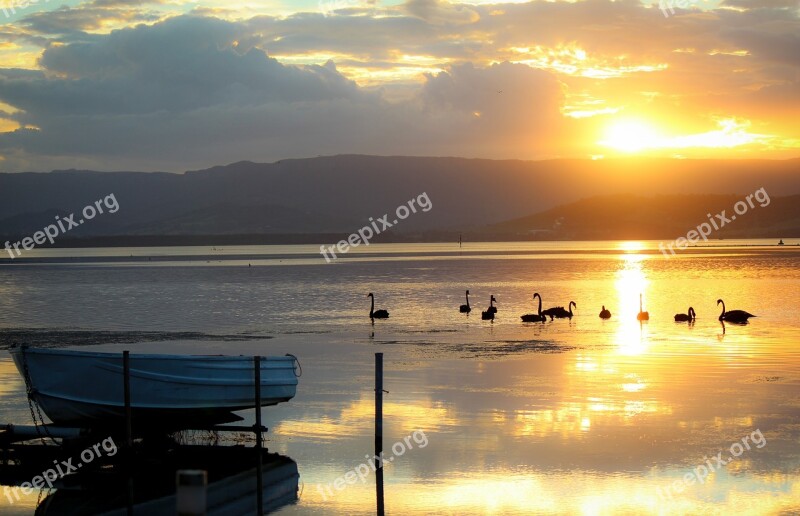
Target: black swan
{"x":558,"y":311}
{"x":376,"y":314}
{"x":642,"y":316}
{"x":734,"y":316}
{"x":488,"y":315}
{"x":537,"y":317}
{"x":605,"y":314}
{"x":688,"y":316}
{"x":465,"y":309}
{"x":492,"y":308}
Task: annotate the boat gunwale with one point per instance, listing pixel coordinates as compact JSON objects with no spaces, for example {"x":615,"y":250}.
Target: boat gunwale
{"x":108,"y":354}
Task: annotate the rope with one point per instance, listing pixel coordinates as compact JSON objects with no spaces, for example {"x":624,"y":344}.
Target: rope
{"x":42,"y":495}
{"x":298,"y":365}
{"x":30,"y":391}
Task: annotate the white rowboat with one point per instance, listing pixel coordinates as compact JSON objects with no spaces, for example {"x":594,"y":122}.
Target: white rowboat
{"x":76,"y":388}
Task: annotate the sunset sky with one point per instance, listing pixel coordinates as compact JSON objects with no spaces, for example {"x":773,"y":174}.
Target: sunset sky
{"x":173,"y":85}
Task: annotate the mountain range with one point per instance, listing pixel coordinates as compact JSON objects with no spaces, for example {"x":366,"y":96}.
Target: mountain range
{"x":301,"y":199}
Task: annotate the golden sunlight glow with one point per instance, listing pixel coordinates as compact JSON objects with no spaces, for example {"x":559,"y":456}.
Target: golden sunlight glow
{"x":737,"y":53}
{"x":633,"y":135}
{"x":631,"y":246}
{"x":406,"y":68}
{"x":19,"y":59}
{"x":533,"y":491}
{"x":630,"y":136}
{"x":633,"y":387}
{"x":731,"y":133}
{"x":427,"y":414}
{"x":582,"y":105}
{"x":8,"y":108}
{"x":631,"y":281}
{"x":570,"y":59}
{"x":11,"y":380}
{"x":586,"y":113}
{"x":366,"y":76}
{"x":7,"y":125}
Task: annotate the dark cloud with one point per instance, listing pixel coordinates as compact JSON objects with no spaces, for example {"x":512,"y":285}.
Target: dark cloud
{"x":441,"y":12}
{"x":183,"y":94}
{"x":779,"y":47}
{"x":506,"y":97}
{"x":66,"y":20}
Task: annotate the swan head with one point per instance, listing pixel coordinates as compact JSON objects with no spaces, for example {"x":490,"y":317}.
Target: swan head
{"x":467,"y":292}
{"x":719,"y":301}
{"x":535,"y":295}
{"x":370,"y":295}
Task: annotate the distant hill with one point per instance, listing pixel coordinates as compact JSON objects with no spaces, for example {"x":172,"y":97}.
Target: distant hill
{"x":649,"y":217}
{"x":338,"y":194}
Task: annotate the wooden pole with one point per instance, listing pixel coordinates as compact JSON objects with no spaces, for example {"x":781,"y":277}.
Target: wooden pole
{"x":259,"y":440}
{"x":379,"y":432}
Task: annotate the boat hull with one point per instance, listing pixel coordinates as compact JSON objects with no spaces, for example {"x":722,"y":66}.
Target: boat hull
{"x":82,"y":387}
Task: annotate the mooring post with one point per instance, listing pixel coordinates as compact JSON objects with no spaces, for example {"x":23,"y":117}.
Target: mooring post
{"x":128,"y":452}
{"x":126,"y":372}
{"x":259,"y":440}
{"x":379,"y":431}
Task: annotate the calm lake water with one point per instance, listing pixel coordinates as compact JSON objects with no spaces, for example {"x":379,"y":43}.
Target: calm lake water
{"x":579,"y":416}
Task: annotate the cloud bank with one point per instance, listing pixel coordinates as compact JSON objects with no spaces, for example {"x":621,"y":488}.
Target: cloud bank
{"x":162,"y":91}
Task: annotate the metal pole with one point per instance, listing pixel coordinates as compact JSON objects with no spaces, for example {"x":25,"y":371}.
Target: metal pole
{"x":259,"y":440}
{"x":379,"y":431}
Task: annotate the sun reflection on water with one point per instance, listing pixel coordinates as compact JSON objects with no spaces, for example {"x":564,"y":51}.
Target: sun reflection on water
{"x":631,"y":337}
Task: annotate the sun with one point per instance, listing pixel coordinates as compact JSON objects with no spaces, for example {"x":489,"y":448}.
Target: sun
{"x":630,"y":136}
